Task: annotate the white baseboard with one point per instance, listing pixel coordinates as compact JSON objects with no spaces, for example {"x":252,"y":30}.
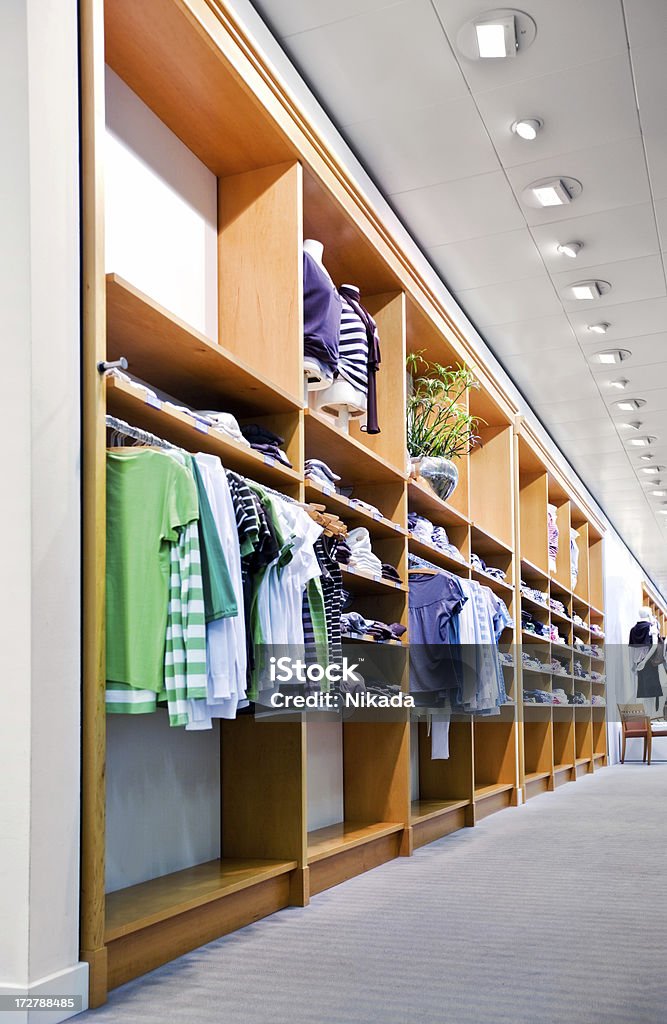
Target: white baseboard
{"x":73,"y":981}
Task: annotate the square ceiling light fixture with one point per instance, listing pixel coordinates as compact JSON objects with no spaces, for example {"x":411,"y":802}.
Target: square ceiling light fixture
{"x":496,"y":35}
{"x":630,"y":404}
{"x":610,"y":356}
{"x":549,"y":192}
{"x":554,"y":193}
{"x":588,"y":290}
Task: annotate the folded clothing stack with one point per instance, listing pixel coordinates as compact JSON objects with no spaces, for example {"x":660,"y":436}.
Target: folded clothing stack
{"x":506,"y":658}
{"x":598,"y":701}
{"x":595,"y":651}
{"x":596,"y":630}
{"x":536,"y":697}
{"x":580,"y":671}
{"x":538,"y":666}
{"x":423,"y":530}
{"x":265,"y":441}
{"x":557,"y":606}
{"x":533,"y":594}
{"x":343,"y":552}
{"x":531,"y":625}
{"x":559,"y":668}
{"x":224,"y":422}
{"x":490,"y":570}
{"x":389,"y":572}
{"x":361,"y":554}
{"x":578,"y":621}
{"x":598,"y":677}
{"x":577,"y":697}
{"x":320,"y":473}
{"x":355,"y":625}
{"x":559,"y":697}
{"x":555,"y":635}
{"x":371,"y":509}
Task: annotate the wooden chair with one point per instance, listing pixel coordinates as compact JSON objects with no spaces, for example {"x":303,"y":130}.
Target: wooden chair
{"x":636,"y":724}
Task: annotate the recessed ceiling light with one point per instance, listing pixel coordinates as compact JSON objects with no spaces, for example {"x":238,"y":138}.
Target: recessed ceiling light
{"x":496,"y":37}
{"x":641,"y":442}
{"x":651,"y":469}
{"x":553,"y":193}
{"x":600,"y":328}
{"x":612,"y":355}
{"x":662,"y":511}
{"x":659,"y":494}
{"x":589,"y":289}
{"x":635,"y":425}
{"x":630,"y":404}
{"x":527,"y":128}
{"x":572,"y":249}
{"x":646,"y":458}
{"x":621,"y":384}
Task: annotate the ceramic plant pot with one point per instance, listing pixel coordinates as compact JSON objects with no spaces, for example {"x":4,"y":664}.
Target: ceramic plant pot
{"x":441,"y":474}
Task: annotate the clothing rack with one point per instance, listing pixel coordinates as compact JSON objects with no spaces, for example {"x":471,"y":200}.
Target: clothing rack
{"x":119,"y":426}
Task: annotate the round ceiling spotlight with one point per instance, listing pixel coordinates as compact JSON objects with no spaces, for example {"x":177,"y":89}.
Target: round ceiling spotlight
{"x":496,"y":35}
{"x":547,"y":192}
{"x":600,"y":328}
{"x":527,"y":128}
{"x":630,"y":404}
{"x":571,"y":249}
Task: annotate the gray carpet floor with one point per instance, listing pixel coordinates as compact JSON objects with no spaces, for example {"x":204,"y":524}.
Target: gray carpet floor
{"x":552,"y":913}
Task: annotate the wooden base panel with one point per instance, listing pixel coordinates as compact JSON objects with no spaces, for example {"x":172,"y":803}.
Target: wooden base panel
{"x":435,"y":827}
{"x":98,"y":987}
{"x":489,"y":799}
{"x":583,"y":766}
{"x":538,"y":782}
{"x":141,"y":951}
{"x":338,"y":867}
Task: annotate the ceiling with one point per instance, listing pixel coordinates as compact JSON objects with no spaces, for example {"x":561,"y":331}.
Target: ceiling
{"x":432,"y":128}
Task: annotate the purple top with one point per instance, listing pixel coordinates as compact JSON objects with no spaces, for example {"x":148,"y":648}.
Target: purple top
{"x":322,"y":308}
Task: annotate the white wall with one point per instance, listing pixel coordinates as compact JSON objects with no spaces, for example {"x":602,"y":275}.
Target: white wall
{"x":40,"y":513}
{"x":161,"y":211}
{"x":324,"y":749}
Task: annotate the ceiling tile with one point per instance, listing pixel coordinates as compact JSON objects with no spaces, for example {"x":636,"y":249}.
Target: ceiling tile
{"x":540,"y":335}
{"x":454,"y":210}
{"x":621,"y":234}
{"x":290,"y":16}
{"x":571,"y":410}
{"x":609,"y":112}
{"x":501,"y":303}
{"x":611,"y":175}
{"x":661,"y":217}
{"x":436,"y":143}
{"x":645,"y":351}
{"x":627,"y":320}
{"x":642,"y":380}
{"x":656,"y":153}
{"x":406,"y":36}
{"x":476,"y":262}
{"x":647,"y":22}
{"x":630,"y":280}
{"x":649,"y":67}
{"x":592,"y":428}
{"x":569,"y":33}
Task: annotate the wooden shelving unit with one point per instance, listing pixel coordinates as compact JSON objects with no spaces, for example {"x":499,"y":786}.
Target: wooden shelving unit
{"x":559,"y":742}
{"x":196,"y":68}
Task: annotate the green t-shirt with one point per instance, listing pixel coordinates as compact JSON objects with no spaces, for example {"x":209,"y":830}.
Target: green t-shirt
{"x":150,"y":496}
{"x":219,"y":597}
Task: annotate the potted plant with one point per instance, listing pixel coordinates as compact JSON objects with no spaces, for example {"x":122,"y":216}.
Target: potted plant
{"x":440,"y":428}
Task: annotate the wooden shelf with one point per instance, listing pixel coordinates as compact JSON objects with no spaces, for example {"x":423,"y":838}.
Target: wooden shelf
{"x":482,"y":542}
{"x":329,"y":841}
{"x":528,"y":637}
{"x":424,"y":810}
{"x":423,"y":500}
{"x":599,"y":757}
{"x":530,"y":571}
{"x":438,"y":557}
{"x":559,"y":589}
{"x":128,"y":402}
{"x":493,"y":583}
{"x":349,"y":638}
{"x":484,"y":791}
{"x":560,"y":616}
{"x":558,"y":768}
{"x":174,"y":357}
{"x":358,"y":582}
{"x":349,"y":458}
{"x":351,"y":514}
{"x":535,"y":776}
{"x":533,"y":603}
{"x":582,"y":760}
{"x":140,"y":906}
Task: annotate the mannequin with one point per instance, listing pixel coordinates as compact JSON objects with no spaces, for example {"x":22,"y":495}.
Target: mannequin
{"x":322,"y":307}
{"x":644,"y":643}
{"x":342,"y":398}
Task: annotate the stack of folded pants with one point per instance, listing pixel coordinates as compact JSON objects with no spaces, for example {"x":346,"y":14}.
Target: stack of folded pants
{"x":264,"y":440}
{"x":389,"y":572}
{"x":319,"y":472}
